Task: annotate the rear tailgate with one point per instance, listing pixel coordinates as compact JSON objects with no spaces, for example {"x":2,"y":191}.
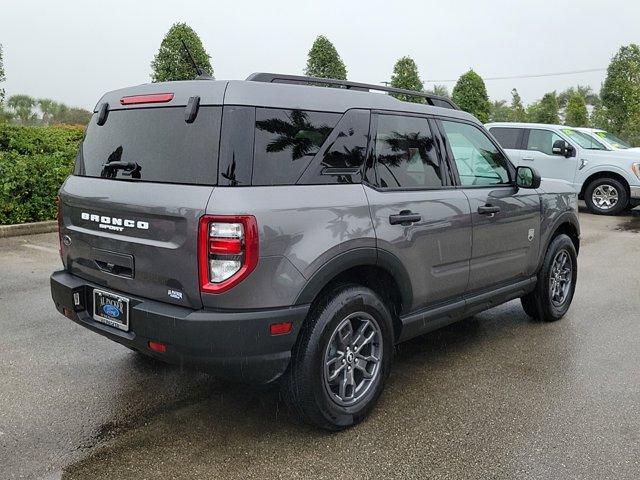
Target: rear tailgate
{"x":155,"y":254}
{"x":135,"y":230}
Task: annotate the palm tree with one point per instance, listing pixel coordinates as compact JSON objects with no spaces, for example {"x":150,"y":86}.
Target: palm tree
{"x":23,"y":106}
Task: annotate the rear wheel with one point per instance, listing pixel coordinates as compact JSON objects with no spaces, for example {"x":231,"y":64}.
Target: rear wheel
{"x":342,"y":359}
{"x":606,"y":196}
{"x":556,"y":283}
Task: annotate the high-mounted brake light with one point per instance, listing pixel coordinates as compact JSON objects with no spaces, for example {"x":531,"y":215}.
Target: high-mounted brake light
{"x":227,"y":250}
{"x":151,"y":98}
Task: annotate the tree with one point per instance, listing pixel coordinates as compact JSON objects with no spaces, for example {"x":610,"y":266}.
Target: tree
{"x":440,"y":90}
{"x":470,"y":94}
{"x":23,"y":106}
{"x":324,"y":61}
{"x":172,"y":61}
{"x":500,"y":111}
{"x":576,"y":114}
{"x":49,"y":109}
{"x":586,"y":91}
{"x":600,"y":117}
{"x":518,"y":113}
{"x":405,"y":75}
{"x":621,"y":92}
{"x":546,"y":110}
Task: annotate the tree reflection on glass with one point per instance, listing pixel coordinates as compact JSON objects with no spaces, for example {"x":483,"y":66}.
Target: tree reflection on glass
{"x":296,"y":133}
{"x":409,"y":158}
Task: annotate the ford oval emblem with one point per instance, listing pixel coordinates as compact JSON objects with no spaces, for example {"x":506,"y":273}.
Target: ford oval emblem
{"x":111,"y":311}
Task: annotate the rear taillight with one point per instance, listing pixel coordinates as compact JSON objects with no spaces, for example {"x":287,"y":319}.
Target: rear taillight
{"x":227,"y":251}
{"x":59,"y":218}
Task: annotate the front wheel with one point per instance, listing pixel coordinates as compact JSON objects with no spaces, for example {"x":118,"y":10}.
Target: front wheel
{"x":606,"y":196}
{"x":342,"y":359}
{"x":556,"y":283}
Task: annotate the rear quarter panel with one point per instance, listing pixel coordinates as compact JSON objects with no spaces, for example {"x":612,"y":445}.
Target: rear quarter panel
{"x":301,"y":228}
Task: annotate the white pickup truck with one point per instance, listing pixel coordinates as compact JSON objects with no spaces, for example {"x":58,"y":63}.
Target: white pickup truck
{"x":607,"y":179}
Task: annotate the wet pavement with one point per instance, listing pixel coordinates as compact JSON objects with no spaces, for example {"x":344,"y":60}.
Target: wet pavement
{"x":496,"y":396}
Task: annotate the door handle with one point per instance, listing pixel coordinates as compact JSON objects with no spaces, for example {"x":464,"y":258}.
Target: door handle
{"x":405,"y":218}
{"x":528,"y":159}
{"x":488,"y":210}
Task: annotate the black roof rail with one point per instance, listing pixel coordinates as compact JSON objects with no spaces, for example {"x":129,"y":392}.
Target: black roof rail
{"x":435,"y":100}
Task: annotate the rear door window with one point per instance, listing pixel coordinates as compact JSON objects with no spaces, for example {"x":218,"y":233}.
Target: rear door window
{"x":509,"y":138}
{"x":406,"y":155}
{"x":286,"y":141}
{"x":158,"y":144}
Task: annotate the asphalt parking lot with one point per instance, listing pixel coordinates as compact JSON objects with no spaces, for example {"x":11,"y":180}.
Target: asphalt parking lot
{"x":496,"y":396}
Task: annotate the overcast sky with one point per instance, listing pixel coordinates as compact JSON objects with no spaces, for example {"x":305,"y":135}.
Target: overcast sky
{"x":74,"y":50}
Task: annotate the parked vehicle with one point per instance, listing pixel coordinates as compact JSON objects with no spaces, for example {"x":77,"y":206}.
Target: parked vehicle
{"x":609,"y":140}
{"x":608,"y":180}
{"x":274,"y":230}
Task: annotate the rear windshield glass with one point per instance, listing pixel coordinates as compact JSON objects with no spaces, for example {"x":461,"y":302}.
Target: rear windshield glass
{"x":153,"y":145}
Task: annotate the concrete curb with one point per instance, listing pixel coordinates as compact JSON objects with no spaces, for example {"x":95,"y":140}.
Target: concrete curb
{"x":28,"y":228}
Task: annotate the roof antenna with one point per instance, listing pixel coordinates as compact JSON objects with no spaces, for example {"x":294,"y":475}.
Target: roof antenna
{"x":201,"y":73}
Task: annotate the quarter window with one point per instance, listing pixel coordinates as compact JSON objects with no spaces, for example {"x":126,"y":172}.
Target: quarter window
{"x":342,"y":157}
{"x":286,"y":141}
{"x":507,"y":137}
{"x":405,"y":153}
{"x":477,"y":159}
{"x":542,"y":141}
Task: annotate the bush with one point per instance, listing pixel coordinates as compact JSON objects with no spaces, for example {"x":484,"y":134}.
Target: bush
{"x":34,"y":162}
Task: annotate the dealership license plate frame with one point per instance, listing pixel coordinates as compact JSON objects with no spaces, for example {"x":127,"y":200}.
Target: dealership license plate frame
{"x":106,"y":319}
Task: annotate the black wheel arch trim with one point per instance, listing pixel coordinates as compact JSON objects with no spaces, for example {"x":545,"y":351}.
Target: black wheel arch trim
{"x":358,"y":257}
{"x":565,"y":218}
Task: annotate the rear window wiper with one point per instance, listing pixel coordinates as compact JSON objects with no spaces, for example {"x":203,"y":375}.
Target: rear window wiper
{"x":131,"y":169}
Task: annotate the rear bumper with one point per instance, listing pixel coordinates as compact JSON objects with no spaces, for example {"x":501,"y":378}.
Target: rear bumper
{"x":234,"y":345}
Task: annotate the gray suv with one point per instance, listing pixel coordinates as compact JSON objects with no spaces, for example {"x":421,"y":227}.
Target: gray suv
{"x":275,"y":229}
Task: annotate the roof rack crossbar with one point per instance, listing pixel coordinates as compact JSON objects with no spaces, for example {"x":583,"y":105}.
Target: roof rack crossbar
{"x":434,"y":100}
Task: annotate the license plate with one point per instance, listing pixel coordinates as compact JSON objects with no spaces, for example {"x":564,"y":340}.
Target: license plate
{"x":111,"y":309}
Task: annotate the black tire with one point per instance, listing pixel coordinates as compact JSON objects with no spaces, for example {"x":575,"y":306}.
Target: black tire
{"x":306,"y":383}
{"x":609,"y":184}
{"x":529,"y":305}
{"x":539,"y":303}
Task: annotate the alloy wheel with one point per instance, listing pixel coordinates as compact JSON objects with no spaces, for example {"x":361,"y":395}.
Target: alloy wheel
{"x":352,"y":359}
{"x":605,"y":196}
{"x":560,"y":278}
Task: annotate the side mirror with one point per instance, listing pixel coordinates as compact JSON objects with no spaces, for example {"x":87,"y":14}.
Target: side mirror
{"x":527,"y":177}
{"x":571,"y":151}
{"x":560,"y":147}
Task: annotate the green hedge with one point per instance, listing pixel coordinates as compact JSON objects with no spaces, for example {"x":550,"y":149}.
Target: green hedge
{"x":34,"y":161}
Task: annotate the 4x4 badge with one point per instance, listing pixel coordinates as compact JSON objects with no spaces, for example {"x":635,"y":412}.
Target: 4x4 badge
{"x":532,"y":234}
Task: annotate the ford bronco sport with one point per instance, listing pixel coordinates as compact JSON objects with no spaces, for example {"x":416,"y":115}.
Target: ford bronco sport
{"x":275,"y":229}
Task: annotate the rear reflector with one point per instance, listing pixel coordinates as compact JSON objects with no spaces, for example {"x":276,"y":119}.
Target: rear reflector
{"x":280,"y":328}
{"x":157,"y":347}
{"x":151,"y":98}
